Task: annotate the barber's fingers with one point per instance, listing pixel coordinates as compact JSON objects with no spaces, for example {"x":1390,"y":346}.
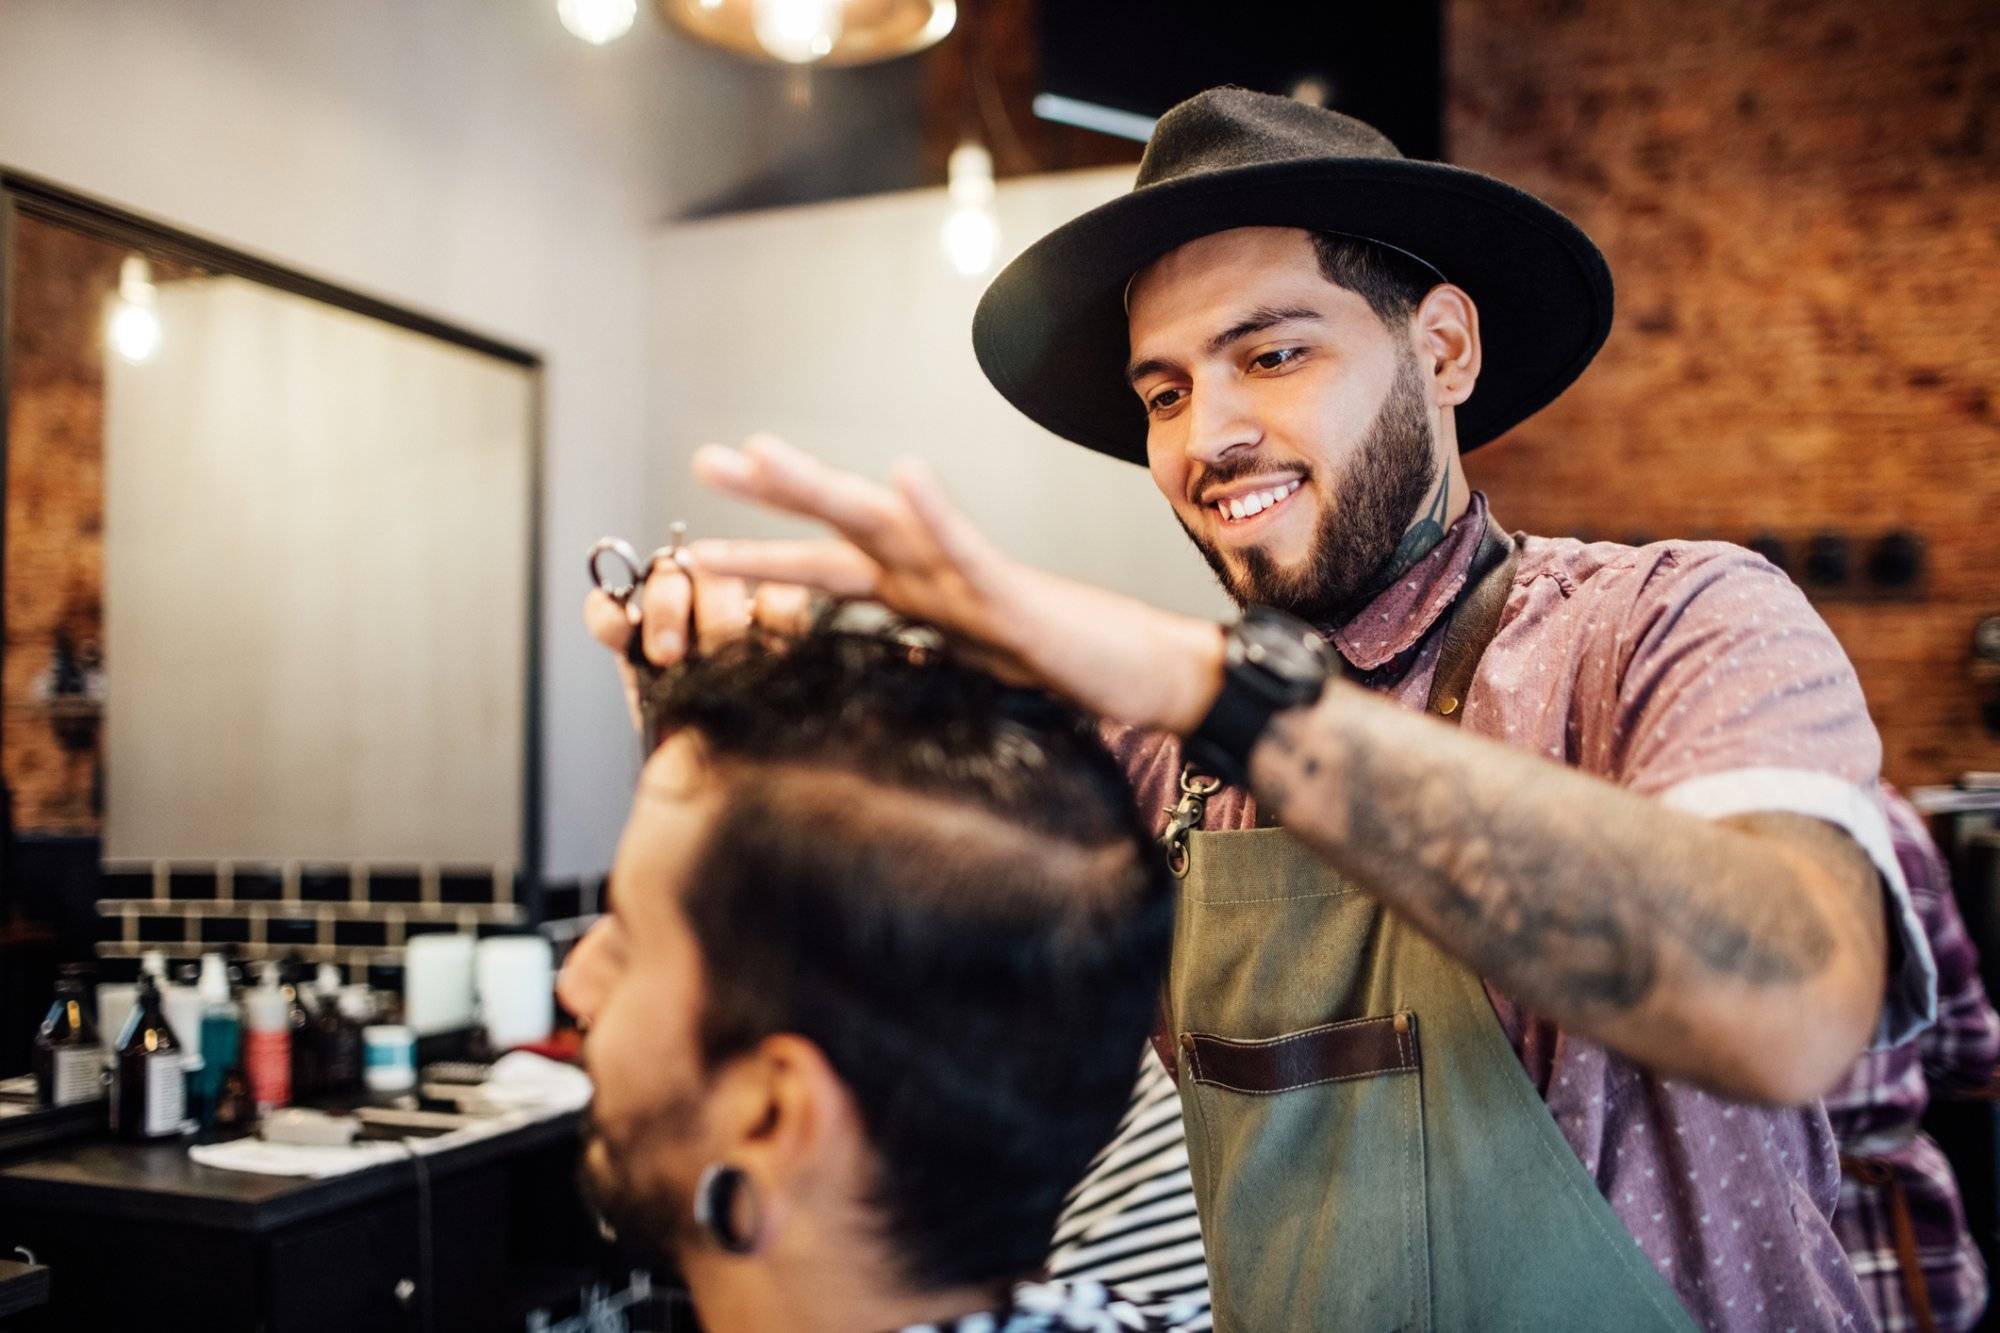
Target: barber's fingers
{"x":770,"y":472}
{"x":964,"y":546}
{"x":834,"y":567}
{"x":784,"y":609}
{"x":664,"y":604}
{"x":606,"y":619}
{"x":610,"y":624}
{"x":721,"y":610}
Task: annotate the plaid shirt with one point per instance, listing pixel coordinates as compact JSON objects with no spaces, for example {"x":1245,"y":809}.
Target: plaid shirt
{"x":1876,"y":1108}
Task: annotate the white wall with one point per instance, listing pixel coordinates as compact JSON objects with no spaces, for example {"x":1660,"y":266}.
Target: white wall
{"x":470,"y":159}
{"x":842,"y":328}
{"x":467,"y":158}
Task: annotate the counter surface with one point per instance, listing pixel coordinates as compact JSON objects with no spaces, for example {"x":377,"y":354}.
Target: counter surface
{"x":157,"y":1181}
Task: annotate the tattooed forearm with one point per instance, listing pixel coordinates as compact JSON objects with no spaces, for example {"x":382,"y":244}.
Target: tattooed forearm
{"x":1596,"y":907}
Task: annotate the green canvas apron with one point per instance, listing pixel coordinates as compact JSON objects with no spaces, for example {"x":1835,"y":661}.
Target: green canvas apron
{"x":1367,"y":1150}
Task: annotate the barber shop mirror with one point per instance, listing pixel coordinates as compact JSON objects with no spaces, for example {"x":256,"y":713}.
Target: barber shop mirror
{"x":267,"y":558}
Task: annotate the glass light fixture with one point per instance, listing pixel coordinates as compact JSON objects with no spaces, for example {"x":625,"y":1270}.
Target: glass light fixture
{"x":135,"y":323}
{"x":815,"y":32}
{"x":971,"y":233}
{"x":597,"y":21}
{"x":797,"y":32}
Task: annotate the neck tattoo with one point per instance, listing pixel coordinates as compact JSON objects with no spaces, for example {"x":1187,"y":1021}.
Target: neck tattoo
{"x":1422,"y":536}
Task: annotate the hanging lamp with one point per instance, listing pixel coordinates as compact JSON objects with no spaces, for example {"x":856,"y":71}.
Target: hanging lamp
{"x":815,"y":32}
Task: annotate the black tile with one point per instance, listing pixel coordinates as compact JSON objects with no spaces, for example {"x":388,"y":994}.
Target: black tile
{"x":162,"y":930}
{"x":190,"y":882}
{"x":469,"y":884}
{"x":281,"y":931}
{"x":117,"y":970}
{"x":416,"y":928}
{"x":361,"y":934}
{"x":386,"y":977}
{"x":110,"y":929}
{"x":486,"y":930}
{"x":258,"y":884}
{"x":326,"y":884}
{"x":127,"y":883}
{"x":224,"y":930}
{"x":561,"y":898}
{"x":394,"y":884}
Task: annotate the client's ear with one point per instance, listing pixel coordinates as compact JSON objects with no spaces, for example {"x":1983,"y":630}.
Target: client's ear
{"x":781,"y":1114}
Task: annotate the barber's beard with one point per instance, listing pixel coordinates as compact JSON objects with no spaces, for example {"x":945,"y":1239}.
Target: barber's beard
{"x":1362,"y":520}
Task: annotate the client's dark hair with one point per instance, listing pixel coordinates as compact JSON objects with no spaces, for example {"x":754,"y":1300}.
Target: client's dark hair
{"x":1390,"y":281}
{"x":943,"y":884}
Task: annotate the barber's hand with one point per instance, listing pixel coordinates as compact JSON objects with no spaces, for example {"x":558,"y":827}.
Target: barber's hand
{"x":909,"y":548}
{"x":723,"y":609}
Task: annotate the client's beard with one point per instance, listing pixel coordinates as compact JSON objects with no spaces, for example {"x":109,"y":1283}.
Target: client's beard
{"x":1358,"y":548}
{"x":656,"y":1220}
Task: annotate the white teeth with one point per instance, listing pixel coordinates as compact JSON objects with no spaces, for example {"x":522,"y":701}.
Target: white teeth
{"x":1256,"y":502}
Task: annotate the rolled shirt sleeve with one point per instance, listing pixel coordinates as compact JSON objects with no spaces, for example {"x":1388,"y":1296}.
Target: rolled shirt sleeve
{"x":1735,"y":698}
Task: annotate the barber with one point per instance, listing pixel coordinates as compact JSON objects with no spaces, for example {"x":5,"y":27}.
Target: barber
{"x":1532,"y":890}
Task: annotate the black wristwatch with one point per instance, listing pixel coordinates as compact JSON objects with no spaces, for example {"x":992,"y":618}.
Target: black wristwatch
{"x":1274,"y":662}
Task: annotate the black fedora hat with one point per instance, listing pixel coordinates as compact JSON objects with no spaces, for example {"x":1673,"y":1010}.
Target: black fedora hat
{"x":1050,"y":330}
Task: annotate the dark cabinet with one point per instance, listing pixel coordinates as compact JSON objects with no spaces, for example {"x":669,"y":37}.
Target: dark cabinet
{"x":134,"y":1236}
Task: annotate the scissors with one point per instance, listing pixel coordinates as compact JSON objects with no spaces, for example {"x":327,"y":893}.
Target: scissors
{"x":615,"y":568}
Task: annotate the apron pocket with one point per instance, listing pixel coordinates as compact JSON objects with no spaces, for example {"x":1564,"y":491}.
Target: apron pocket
{"x":1330,"y":1053}
{"x":1312,"y":1142}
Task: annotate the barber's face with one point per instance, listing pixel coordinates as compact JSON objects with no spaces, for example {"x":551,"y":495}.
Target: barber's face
{"x":634,"y":982}
{"x":1287,"y":426}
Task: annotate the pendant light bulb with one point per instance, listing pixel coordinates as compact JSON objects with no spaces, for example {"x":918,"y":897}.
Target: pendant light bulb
{"x":135,"y":323}
{"x":597,"y":21}
{"x":797,"y":31}
{"x":971,"y":234}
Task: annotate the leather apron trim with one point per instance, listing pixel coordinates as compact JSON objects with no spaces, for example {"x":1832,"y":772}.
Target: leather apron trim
{"x":1330,"y":1053}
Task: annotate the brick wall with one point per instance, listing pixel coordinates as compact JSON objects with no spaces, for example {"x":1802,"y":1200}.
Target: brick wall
{"x":1800,"y":200}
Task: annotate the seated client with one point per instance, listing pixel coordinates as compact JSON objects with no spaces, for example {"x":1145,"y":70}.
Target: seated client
{"x":882,"y":936}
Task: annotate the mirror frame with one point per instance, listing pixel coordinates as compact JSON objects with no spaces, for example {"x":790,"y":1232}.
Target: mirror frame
{"x":25,"y":195}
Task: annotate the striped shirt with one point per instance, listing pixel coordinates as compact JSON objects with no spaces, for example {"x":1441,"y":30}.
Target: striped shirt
{"x":1130,"y":1223}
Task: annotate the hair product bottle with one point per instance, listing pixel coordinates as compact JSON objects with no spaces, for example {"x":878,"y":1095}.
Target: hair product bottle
{"x":221,"y":1037}
{"x":149,"y":1076}
{"x":267,"y":1042}
{"x":69,"y":1057}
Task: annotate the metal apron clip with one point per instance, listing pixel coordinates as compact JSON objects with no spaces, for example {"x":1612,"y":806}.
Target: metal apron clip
{"x":1185,"y":816}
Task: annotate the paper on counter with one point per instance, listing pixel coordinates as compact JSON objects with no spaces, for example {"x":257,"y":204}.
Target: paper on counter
{"x":524,"y":1081}
{"x":292,"y":1159}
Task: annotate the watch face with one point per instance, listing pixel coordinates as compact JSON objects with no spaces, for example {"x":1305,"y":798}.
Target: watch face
{"x":1285,"y":646}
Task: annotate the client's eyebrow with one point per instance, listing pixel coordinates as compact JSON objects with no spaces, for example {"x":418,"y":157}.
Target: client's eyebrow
{"x":1256,"y":321}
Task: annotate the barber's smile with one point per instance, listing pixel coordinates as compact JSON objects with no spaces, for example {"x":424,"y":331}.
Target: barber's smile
{"x":1242,"y":511}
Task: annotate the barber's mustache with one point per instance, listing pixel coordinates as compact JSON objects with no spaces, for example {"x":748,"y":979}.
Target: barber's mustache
{"x":1227,"y":474}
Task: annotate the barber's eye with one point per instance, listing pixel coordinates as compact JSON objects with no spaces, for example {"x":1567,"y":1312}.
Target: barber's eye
{"x":1162,"y":400}
{"x":1276,"y":357}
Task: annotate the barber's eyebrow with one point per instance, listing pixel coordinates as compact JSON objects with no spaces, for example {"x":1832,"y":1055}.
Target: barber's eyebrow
{"x":1256,"y":321}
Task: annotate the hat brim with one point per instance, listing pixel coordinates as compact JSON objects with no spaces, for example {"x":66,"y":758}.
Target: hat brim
{"x":1050,"y":331}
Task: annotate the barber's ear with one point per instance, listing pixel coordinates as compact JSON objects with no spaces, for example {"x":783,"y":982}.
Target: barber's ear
{"x":1447,"y":330}
{"x":781,"y":1113}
